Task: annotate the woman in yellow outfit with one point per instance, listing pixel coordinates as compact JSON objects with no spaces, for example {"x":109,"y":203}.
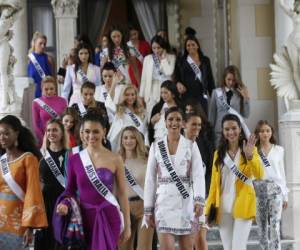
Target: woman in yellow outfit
{"x":232,"y":197}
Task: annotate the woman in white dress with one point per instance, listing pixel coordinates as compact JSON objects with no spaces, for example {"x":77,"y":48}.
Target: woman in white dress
{"x":82,"y":71}
{"x":175,"y":186}
{"x":271,"y":192}
{"x":157,"y":68}
{"x":129,"y":112}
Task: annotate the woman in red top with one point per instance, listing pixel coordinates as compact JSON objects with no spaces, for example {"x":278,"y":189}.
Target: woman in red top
{"x":137,"y":49}
{"x":70,"y":120}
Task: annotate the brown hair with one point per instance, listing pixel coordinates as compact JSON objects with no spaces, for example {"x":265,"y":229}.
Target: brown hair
{"x":257,"y":131}
{"x":75,"y":130}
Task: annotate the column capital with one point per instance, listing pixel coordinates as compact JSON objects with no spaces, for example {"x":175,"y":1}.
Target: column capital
{"x":65,"y":8}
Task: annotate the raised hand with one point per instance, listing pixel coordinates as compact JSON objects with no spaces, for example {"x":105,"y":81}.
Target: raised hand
{"x":248,"y":147}
{"x":243,"y":92}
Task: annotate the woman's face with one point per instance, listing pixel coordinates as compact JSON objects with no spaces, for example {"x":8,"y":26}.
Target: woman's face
{"x":107,"y":76}
{"x":53,"y":133}
{"x":49,"y":89}
{"x":83,"y":55}
{"x":230,"y":81}
{"x":174,"y":122}
{"x":193,"y":126}
{"x":157,"y":50}
{"x":166,"y":95}
{"x":134,"y":35}
{"x":8,"y":136}
{"x":189,"y":109}
{"x":191,"y":47}
{"x":68,"y":122}
{"x":40,"y":45}
{"x":116,"y":37}
{"x":93,"y":133}
{"x":104,"y":42}
{"x":265,"y":133}
{"x":130,"y":97}
{"x":129,"y":140}
{"x":231,"y":131}
{"x":87,"y":95}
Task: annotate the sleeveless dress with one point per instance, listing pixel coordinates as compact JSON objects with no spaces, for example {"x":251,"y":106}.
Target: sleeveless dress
{"x":101,"y":220}
{"x":32,"y":72}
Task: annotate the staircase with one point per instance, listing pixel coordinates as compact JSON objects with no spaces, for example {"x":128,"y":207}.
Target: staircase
{"x":214,"y":240}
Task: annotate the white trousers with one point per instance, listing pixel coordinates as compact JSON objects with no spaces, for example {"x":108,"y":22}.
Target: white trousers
{"x":234,"y":232}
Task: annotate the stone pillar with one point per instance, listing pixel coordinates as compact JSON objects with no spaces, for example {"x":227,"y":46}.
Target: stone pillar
{"x":65,"y":18}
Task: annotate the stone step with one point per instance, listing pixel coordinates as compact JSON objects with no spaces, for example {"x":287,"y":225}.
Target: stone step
{"x":252,"y":245}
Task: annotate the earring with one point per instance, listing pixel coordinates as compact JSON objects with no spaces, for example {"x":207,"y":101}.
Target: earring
{"x":16,"y":143}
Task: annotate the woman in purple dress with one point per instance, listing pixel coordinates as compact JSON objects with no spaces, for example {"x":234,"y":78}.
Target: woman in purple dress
{"x":95,"y":167}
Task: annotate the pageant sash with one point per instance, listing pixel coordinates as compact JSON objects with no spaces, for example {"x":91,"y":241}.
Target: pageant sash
{"x":13,"y":185}
{"x":119,"y":65}
{"x":157,"y":67}
{"x":83,"y":76}
{"x":97,"y":183}
{"x":46,"y":107}
{"x":37,"y":66}
{"x":136,"y":120}
{"x":169,"y":166}
{"x":264,"y":159}
{"x":76,"y":150}
{"x":82,"y":109}
{"x":233,"y":111}
{"x":135,"y":51}
{"x":54,"y":168}
{"x":229,"y":163}
{"x":133,"y":184}
{"x":195,"y":68}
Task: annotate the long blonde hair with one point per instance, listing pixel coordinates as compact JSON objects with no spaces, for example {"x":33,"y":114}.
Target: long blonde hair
{"x":64,"y":139}
{"x":138,"y":108}
{"x":36,"y":36}
{"x":140,"y":148}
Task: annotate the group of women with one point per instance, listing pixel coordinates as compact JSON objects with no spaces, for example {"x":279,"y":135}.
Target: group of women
{"x":102,"y":189}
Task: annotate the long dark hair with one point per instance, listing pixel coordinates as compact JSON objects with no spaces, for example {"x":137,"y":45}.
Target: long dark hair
{"x":232,"y":69}
{"x":192,"y":38}
{"x":111,"y":45}
{"x":160,"y":41}
{"x":223,"y":143}
{"x":25,"y":140}
{"x":94,"y":115}
{"x":107,"y":66}
{"x":257,"y":131}
{"x":80,"y":46}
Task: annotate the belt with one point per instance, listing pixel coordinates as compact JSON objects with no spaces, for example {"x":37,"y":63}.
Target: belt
{"x":134,"y":198}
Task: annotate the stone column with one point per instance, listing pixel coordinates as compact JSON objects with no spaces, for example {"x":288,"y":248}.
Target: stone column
{"x":65,"y":18}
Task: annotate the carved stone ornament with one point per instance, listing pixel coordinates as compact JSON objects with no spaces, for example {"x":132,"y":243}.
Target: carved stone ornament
{"x":64,"y":8}
{"x":9,"y":12}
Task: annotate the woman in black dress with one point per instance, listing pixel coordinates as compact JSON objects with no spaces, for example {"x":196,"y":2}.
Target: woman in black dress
{"x":193,"y":74}
{"x":54,"y":151}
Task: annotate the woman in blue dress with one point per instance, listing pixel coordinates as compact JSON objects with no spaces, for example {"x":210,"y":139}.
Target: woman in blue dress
{"x":40,"y":64}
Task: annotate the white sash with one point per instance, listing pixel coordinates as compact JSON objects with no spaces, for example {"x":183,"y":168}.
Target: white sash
{"x":135,"y":52}
{"x":82,"y":109}
{"x":195,"y":68}
{"x":157,"y":67}
{"x":136,"y":120}
{"x":233,"y":111}
{"x":264,"y":159}
{"x":133,"y":184}
{"x":97,"y":183}
{"x":229,"y":163}
{"x":54,"y":168}
{"x":75,"y":150}
{"x":83,"y":76}
{"x":13,"y":185}
{"x":37,"y":66}
{"x":169,"y":166}
{"x":119,"y":65}
{"x":46,"y":107}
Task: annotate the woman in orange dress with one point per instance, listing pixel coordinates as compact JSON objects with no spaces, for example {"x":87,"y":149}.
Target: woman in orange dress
{"x":21,"y":201}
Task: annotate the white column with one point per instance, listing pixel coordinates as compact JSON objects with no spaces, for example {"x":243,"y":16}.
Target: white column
{"x":19,"y":42}
{"x":65,"y":18}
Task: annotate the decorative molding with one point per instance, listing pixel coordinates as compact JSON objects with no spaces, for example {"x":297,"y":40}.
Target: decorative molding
{"x":174,"y":22}
{"x":65,"y":8}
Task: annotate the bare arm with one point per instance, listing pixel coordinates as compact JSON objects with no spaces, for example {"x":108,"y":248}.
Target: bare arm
{"x":287,"y":9}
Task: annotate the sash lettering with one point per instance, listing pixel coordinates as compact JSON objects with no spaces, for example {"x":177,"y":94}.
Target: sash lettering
{"x":157,"y":66}
{"x":135,"y":51}
{"x":169,"y":166}
{"x":37,"y":66}
{"x":83,"y":76}
{"x":54,"y":168}
{"x":264,"y":159}
{"x":134,"y":118}
{"x":133,"y":184}
{"x":45,"y":107}
{"x":195,"y":68}
{"x":82,"y":109}
{"x":13,"y":185}
{"x":97,"y":183}
{"x":234,"y":169}
{"x":230,"y":110}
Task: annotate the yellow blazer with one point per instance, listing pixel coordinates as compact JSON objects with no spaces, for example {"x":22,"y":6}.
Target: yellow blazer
{"x":244,"y":206}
